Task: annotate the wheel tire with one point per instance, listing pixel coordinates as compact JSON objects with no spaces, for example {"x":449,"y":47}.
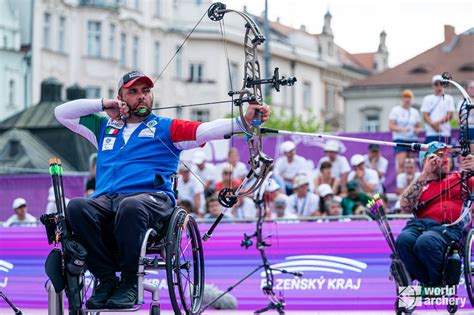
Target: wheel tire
{"x":452,"y":308}
{"x":468,"y":264}
{"x":185,"y":294}
{"x":155,"y":310}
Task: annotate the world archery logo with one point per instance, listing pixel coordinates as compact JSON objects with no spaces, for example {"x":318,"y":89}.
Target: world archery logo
{"x":4,"y":267}
{"x":332,"y":273}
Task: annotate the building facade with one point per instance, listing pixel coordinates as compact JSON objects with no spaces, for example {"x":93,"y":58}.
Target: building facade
{"x":93,"y":42}
{"x":368,"y":102}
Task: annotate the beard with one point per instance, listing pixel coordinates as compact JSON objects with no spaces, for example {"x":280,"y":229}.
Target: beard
{"x":144,"y":111}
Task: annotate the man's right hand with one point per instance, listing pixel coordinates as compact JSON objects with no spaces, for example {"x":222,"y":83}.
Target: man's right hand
{"x":112,"y":108}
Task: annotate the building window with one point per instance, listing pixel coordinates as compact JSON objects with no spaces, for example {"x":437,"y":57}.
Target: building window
{"x":135,"y":50}
{"x":136,"y":4}
{"x":198,"y":2}
{"x":371,"y":121}
{"x":112,"y":40}
{"x":11,"y":92}
{"x":179,"y":62}
{"x":61,"y":33}
{"x":330,"y":99}
{"x":156,"y":58}
{"x":195,"y":72}
{"x":123,"y":49}
{"x":94,"y":39}
{"x":158,"y":8}
{"x":200,"y":115}
{"x":93,"y":92}
{"x":111,"y":93}
{"x":307,"y":95}
{"x":179,"y":112}
{"x":331,"y":49}
{"x":234,"y":71}
{"x":47,"y":30}
{"x":5,"y":42}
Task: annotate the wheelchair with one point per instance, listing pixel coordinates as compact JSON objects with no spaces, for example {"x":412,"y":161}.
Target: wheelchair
{"x":451,"y":275}
{"x":174,"y":246}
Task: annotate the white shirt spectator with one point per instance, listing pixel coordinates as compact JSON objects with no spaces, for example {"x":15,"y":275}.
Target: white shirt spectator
{"x":304,"y":207}
{"x":438,"y":107}
{"x":187,"y":191}
{"x":208,"y":173}
{"x":339,"y":166}
{"x":381,"y":164}
{"x":371,"y":177}
{"x":238,"y":171}
{"x":51,"y":206}
{"x":285,"y":169}
{"x":246,"y":210}
{"x":405,"y":118}
{"x":14,"y":221}
{"x":402,"y":179}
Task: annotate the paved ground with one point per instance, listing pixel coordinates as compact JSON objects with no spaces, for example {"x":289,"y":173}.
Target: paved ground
{"x":4,"y":311}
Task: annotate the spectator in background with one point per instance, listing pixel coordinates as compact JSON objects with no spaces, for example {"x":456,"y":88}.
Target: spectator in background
{"x":404,"y":122}
{"x":21,"y":216}
{"x":355,"y":202}
{"x":375,"y":161}
{"x":303,"y":202}
{"x":409,"y":174}
{"x":227,"y":180}
{"x":326,"y":197}
{"x":189,"y":188}
{"x":290,"y":165}
{"x":437,"y":110}
{"x":239,"y":170}
{"x":207,"y":172}
{"x":214,"y":209}
{"x":282,"y":210}
{"x":51,"y":206}
{"x":244,"y":208}
{"x":90,"y":184}
{"x":325,"y":177}
{"x":470,"y":92}
{"x":188,"y":206}
{"x":272,"y":190}
{"x":340,"y":166}
{"x":334,"y":208}
{"x":367,"y":178}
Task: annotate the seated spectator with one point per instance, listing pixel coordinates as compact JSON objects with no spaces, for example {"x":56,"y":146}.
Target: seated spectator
{"x":207,"y":172}
{"x":409,"y":175}
{"x":303,"y":202}
{"x":21,"y":216}
{"x":239,"y":169}
{"x":325,"y":177}
{"x":227,"y":181}
{"x":290,"y":165}
{"x":355,"y":202}
{"x":188,"y":206}
{"x":374,"y":160}
{"x":367,"y":178}
{"x":326,"y":197}
{"x":244,"y":208}
{"x":282,"y":210}
{"x":214,"y":209}
{"x":334,"y":208}
{"x":189,"y":188}
{"x":272,"y":190}
{"x":340,"y":166}
{"x":51,"y":206}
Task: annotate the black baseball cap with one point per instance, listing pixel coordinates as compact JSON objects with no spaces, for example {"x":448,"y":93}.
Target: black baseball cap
{"x":131,"y":77}
{"x":374,"y":147}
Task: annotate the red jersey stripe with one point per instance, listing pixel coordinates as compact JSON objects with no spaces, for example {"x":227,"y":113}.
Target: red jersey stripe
{"x":183,"y":130}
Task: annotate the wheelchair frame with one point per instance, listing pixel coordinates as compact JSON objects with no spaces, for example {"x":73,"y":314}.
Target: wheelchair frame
{"x":185,"y":294}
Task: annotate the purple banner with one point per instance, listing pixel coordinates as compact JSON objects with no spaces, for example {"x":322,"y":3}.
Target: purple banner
{"x":345,"y":265}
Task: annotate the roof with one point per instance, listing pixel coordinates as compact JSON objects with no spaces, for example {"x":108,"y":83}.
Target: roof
{"x":21,"y":149}
{"x":456,"y":57}
{"x":366,"y":60}
{"x":38,"y":116}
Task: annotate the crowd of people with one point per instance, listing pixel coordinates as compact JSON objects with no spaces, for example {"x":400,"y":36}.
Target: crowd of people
{"x":336,"y":186}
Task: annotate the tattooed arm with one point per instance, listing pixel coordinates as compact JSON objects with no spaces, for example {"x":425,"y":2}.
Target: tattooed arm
{"x":410,"y":197}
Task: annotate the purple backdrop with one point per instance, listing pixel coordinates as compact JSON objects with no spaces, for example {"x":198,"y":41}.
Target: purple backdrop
{"x":345,"y":265}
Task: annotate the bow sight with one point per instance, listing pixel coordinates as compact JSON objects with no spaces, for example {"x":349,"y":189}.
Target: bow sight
{"x":275,"y":81}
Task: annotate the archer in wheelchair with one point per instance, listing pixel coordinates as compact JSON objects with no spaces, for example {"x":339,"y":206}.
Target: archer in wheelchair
{"x":430,"y":248}
{"x":138,"y":152}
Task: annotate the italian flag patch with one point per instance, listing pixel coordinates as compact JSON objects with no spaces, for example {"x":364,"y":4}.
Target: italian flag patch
{"x":111,"y":131}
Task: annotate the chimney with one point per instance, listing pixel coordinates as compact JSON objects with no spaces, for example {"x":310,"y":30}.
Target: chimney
{"x":303,"y":28}
{"x":51,"y":90}
{"x":75,"y":92}
{"x":278,"y":20}
{"x":449,"y":34}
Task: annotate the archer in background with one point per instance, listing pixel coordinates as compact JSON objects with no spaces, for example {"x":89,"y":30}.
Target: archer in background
{"x":137,"y":154}
{"x":435,"y":199}
{"x":437,"y":110}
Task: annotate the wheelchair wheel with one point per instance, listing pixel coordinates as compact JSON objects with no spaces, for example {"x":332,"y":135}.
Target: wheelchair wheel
{"x":469,"y":264}
{"x":184,"y":263}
